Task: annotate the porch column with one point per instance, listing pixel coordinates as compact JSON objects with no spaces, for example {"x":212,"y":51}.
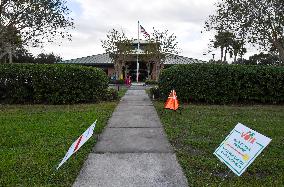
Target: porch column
{"x":148,"y":70}
{"x":120,"y":74}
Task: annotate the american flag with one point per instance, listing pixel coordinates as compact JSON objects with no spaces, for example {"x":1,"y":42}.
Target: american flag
{"x":144,"y":32}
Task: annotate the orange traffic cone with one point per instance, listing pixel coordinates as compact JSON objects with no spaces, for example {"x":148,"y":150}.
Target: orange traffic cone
{"x":172,"y":102}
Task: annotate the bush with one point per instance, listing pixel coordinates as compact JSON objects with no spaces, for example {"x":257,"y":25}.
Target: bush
{"x":155,"y":92}
{"x":151,"y":82}
{"x":212,"y":83}
{"x":53,"y":84}
{"x":111,"y":94}
{"x":121,"y":81}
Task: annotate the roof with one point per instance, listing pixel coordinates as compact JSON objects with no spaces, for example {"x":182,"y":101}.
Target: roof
{"x":105,"y":59}
{"x":94,"y":59}
{"x":176,"y":59}
{"x":135,"y":41}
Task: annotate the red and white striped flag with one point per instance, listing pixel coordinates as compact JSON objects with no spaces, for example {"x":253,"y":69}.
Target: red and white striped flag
{"x":78,"y":143}
{"x":144,"y":32}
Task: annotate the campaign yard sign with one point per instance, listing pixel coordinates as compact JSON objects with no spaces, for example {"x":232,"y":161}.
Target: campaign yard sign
{"x":78,"y":143}
{"x":240,"y":148}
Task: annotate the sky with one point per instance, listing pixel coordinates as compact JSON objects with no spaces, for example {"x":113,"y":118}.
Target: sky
{"x":94,"y":18}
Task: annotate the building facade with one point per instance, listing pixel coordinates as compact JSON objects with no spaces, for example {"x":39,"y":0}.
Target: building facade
{"x":117,"y":68}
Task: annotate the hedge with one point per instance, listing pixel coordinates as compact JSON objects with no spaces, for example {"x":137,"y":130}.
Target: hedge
{"x":121,"y":81}
{"x":53,"y":84}
{"x":151,"y":82}
{"x":219,"y":84}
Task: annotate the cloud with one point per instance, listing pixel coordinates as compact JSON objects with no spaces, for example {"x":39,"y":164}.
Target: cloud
{"x":94,"y":18}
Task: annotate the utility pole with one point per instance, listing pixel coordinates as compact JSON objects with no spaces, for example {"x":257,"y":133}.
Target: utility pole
{"x":213,"y":55}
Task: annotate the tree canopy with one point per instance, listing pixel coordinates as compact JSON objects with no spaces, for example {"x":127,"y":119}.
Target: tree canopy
{"x":23,"y":56}
{"x":161,"y":44}
{"x":117,"y":44}
{"x":157,"y":47}
{"x":259,"y":22}
{"x":32,"y":23}
{"x":260,"y":59}
{"x":228,"y":43}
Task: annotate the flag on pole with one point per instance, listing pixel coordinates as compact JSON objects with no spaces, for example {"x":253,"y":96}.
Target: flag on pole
{"x":78,"y":143}
{"x":144,"y":32}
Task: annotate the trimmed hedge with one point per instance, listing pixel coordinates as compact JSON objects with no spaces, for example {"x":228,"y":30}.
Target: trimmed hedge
{"x":111,"y":95}
{"x":219,"y":84}
{"x":151,"y":82}
{"x":53,"y":84}
{"x":154,"y":92}
{"x":121,"y":81}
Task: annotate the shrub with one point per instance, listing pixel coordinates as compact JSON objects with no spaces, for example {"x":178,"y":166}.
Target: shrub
{"x":121,"y":81}
{"x":111,"y":94}
{"x":151,"y":82}
{"x":155,"y":92}
{"x":54,"y":84}
{"x":220,"y":84}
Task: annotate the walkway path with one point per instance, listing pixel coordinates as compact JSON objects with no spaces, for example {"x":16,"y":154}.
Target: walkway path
{"x":133,"y":149}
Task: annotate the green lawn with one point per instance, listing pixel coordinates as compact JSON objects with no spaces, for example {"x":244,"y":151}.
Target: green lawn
{"x":199,"y":130}
{"x":35,"y":138}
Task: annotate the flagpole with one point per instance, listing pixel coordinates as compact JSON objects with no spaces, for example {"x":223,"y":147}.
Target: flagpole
{"x":137,"y":64}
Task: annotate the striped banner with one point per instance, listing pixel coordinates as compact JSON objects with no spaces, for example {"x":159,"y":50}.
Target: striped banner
{"x":78,"y":143}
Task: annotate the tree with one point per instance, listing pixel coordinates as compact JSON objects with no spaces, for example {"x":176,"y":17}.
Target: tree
{"x":34,"y":22}
{"x":158,"y":47}
{"x":10,"y":44}
{"x":264,"y":59}
{"x":267,"y":59}
{"x":223,"y":40}
{"x":217,"y":62}
{"x":244,"y":62}
{"x":118,"y":46}
{"x":228,"y":43}
{"x":260,"y":22}
{"x":237,"y":48}
{"x":50,"y":58}
{"x":23,"y":56}
{"x":161,"y":45}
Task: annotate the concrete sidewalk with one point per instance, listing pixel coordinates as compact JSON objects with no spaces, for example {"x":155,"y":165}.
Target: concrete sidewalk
{"x":133,"y":149}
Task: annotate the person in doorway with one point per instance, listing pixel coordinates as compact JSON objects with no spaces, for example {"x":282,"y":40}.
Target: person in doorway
{"x":129,"y":80}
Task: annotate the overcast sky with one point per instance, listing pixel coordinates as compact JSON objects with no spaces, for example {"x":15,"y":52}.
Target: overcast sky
{"x":94,"y":18}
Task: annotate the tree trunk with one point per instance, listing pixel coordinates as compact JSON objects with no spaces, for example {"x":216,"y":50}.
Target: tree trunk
{"x":116,"y":69}
{"x":279,"y":48}
{"x":148,"y":70}
{"x":281,"y":53}
{"x":222,"y":49}
{"x":225,"y":56}
{"x":157,"y":71}
{"x":10,"y":57}
{"x":10,"y":53}
{"x":2,"y":56}
{"x":120,"y":74}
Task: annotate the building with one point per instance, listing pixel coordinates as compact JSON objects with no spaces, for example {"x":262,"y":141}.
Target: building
{"x":118,"y":69}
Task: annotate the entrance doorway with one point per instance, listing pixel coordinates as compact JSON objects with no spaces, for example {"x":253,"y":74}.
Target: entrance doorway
{"x":132,"y":71}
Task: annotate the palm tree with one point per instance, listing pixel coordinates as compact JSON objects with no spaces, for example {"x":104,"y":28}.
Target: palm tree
{"x":224,"y":40}
{"x":237,"y":48}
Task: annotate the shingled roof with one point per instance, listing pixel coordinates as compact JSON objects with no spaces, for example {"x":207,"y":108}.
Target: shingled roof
{"x":104,"y":59}
{"x":94,"y":59}
{"x":176,"y":59}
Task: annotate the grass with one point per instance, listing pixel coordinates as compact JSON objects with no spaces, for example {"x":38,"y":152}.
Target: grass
{"x":198,"y":131}
{"x":35,"y":138}
{"x":121,"y":92}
